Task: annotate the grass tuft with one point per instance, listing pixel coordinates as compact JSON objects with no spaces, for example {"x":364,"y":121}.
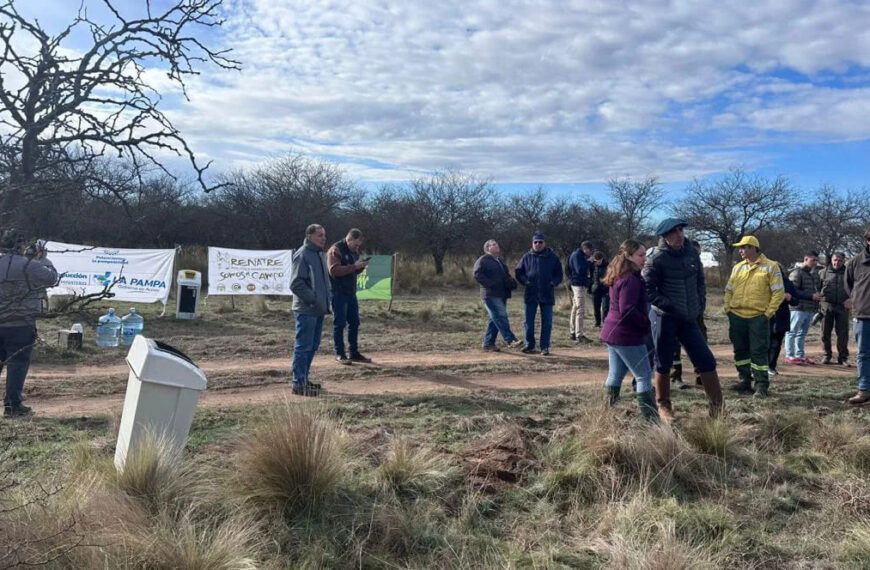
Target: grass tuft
{"x":294,"y":458}
{"x":719,"y":437}
{"x":409,"y":469}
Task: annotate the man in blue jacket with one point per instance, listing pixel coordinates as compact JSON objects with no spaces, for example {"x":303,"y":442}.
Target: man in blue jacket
{"x":540,"y":272}
{"x":577,"y":269}
{"x":496,"y":285}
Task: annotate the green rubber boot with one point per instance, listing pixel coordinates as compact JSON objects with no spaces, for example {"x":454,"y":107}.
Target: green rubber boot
{"x":613,"y":395}
{"x":646,"y":401}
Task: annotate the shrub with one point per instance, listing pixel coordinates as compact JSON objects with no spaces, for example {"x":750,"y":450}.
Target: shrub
{"x":844,"y":439}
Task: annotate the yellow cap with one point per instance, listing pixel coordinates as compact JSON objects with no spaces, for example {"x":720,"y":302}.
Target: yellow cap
{"x":748,"y":240}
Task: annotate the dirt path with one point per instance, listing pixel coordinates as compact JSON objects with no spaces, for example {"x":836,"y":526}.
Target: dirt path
{"x":425,"y":378}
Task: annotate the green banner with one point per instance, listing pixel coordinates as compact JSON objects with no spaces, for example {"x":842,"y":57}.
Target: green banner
{"x":376,"y":281}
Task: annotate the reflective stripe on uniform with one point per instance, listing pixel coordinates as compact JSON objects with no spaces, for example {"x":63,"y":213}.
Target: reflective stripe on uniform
{"x":742,"y":362}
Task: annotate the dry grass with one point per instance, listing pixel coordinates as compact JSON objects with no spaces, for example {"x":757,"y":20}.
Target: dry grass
{"x":155,"y":474}
{"x":782,"y":431}
{"x":844,"y":439}
{"x":720,"y":437}
{"x":294,"y":459}
{"x":412,"y":469}
{"x":666,"y":552}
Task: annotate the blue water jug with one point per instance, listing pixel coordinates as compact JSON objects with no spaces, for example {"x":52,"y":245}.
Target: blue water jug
{"x":132,"y":324}
{"x":108,"y":329}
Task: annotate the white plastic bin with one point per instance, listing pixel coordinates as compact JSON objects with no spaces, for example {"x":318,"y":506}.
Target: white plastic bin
{"x":162,"y":392}
{"x":187,"y":293}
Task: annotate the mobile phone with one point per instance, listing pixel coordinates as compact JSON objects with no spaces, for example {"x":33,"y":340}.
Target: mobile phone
{"x":367,"y":258}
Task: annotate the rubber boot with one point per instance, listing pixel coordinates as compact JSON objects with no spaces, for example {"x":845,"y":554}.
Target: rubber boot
{"x":710,"y":382}
{"x":647,"y":404}
{"x":612,"y":395}
{"x":662,"y":383}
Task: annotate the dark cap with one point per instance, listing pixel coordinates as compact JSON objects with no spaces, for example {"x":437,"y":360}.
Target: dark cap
{"x":539,"y":236}
{"x":669,"y":224}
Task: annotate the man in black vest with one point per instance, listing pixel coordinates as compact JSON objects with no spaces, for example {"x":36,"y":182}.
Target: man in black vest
{"x":344,"y":265}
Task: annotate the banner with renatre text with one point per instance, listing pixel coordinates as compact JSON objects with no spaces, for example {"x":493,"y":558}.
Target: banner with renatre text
{"x":376,"y":281}
{"x":137,"y":275}
{"x":248,"y":271}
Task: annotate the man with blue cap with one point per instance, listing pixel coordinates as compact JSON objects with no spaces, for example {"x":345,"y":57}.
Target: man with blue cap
{"x":675,"y":284}
{"x":540,"y":272}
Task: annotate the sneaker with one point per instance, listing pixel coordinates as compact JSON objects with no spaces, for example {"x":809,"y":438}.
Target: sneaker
{"x":844,"y":363}
{"x":573,"y":336}
{"x":772,"y":372}
{"x":490,"y":348}
{"x":358,"y":357}
{"x":807,"y":361}
{"x":680,"y":385}
{"x":309,"y":390}
{"x":583,"y":339}
{"x":762,"y":392}
{"x":342,"y":359}
{"x":16,"y":411}
{"x":828,"y":360}
{"x":515,"y":343}
{"x":545,"y":352}
{"x":528,"y":350}
{"x":790,"y":360}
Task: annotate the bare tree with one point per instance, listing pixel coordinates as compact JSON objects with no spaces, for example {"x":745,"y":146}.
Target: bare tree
{"x":636,"y":200}
{"x":446,"y":210}
{"x":737,"y":204}
{"x":274,"y":202}
{"x":63,"y":108}
{"x":833,"y":222}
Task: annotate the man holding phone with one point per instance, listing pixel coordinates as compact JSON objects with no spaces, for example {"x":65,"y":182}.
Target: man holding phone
{"x":25,"y":274}
{"x":344,"y":264}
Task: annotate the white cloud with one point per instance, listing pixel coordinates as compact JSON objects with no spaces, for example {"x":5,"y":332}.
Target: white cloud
{"x":540,"y":91}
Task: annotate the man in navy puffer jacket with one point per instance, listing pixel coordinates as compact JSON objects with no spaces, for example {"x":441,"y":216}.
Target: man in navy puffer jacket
{"x":540,"y":272}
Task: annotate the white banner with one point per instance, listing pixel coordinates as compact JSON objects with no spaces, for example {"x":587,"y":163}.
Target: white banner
{"x":249,"y":272}
{"x":138,"y":275}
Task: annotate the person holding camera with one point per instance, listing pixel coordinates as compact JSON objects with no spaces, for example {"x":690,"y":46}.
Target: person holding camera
{"x":344,"y":264}
{"x":25,"y":274}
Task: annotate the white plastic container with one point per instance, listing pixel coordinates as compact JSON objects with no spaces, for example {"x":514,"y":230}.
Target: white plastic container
{"x":162,"y":393}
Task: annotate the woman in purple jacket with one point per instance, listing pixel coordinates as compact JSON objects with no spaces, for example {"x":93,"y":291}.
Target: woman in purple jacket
{"x":627,"y":325}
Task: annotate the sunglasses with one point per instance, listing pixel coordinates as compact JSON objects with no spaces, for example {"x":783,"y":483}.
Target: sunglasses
{"x":538,"y":241}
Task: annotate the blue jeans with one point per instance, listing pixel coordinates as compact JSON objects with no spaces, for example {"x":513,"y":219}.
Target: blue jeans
{"x":308,"y":332}
{"x":797,"y":336}
{"x":862,"y":337}
{"x":625,"y":359}
{"x":16,"y":346}
{"x":666,"y":330}
{"x":345,"y":310}
{"x":496,"y":307}
{"x":546,"y":324}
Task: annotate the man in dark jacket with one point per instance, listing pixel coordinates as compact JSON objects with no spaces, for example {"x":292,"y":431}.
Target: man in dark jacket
{"x":675,"y":283}
{"x":806,"y":281}
{"x":496,"y":285}
{"x":858,"y":289}
{"x":781,"y":321}
{"x":25,"y":273}
{"x":540,"y":272}
{"x":577,"y":270}
{"x":835,"y":308}
{"x":344,"y":264}
{"x":600,"y":291}
{"x":309,"y":282}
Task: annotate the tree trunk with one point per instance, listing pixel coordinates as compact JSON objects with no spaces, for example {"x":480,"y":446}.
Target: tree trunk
{"x":439,"y":263}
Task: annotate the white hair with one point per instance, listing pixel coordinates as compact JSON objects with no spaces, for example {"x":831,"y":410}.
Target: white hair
{"x":488,"y":245}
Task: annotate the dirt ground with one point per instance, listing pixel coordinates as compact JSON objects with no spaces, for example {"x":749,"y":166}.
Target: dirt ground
{"x":424,"y":344}
{"x":62,"y":391}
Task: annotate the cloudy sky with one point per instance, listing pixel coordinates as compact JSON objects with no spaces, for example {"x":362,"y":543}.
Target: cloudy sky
{"x":566,"y":93}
